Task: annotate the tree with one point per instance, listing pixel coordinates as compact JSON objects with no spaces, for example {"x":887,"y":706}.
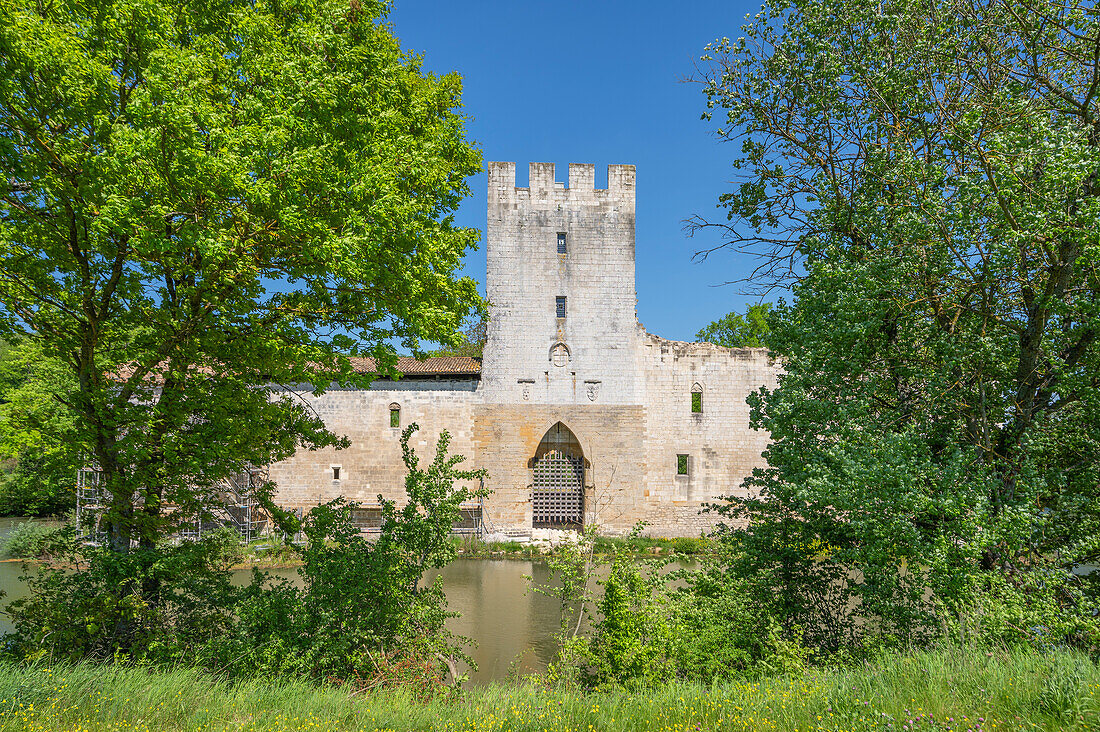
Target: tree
{"x":204,"y":203}
{"x":739,"y":331}
{"x":472,"y":341}
{"x":36,"y":433}
{"x":925,"y":176}
{"x":360,"y":613}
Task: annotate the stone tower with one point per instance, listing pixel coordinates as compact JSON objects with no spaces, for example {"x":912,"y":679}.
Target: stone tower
{"x":560,"y":284}
{"x":560,"y":424}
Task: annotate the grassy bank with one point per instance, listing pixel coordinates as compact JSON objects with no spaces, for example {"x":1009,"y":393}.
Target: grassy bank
{"x":958,"y":690}
{"x":471,"y":547}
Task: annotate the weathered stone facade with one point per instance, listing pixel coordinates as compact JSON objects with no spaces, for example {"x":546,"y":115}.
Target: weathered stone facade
{"x":572,"y":390}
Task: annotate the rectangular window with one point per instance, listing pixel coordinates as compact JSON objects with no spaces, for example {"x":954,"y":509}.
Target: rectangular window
{"x":561,"y":242}
{"x":696,"y":401}
{"x":395,"y":418}
{"x":681,"y":465}
{"x":336,"y":472}
{"x":561,"y":307}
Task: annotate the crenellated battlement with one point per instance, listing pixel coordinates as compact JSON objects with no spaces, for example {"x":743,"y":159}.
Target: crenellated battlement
{"x":542,"y":183}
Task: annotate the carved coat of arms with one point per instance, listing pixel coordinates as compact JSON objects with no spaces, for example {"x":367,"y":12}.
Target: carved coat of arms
{"x":592,"y":389}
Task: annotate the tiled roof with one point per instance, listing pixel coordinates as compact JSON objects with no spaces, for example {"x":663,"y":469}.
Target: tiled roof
{"x":437,"y":366}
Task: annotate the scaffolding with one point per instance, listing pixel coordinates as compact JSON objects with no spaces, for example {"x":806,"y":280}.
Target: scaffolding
{"x":240,"y":506}
{"x":233,"y":503}
{"x":90,"y":505}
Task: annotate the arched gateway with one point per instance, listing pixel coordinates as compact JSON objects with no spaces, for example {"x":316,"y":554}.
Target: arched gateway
{"x":557,"y":488}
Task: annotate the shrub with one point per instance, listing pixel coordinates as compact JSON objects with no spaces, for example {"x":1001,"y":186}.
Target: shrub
{"x":148,"y":605}
{"x":632,"y":639}
{"x":32,"y":539}
{"x":361,"y":615}
{"x":690,"y":545}
{"x":721,"y":633}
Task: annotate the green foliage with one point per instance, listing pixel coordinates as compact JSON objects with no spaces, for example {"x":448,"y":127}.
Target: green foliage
{"x":734,"y":330}
{"x":690,"y":545}
{"x":472,"y":341}
{"x":721,"y":632}
{"x":204,"y":206}
{"x":570,"y":567}
{"x":361,"y":615}
{"x":30,"y":539}
{"x":929,"y":191}
{"x":150,"y":606}
{"x":630,"y":640}
{"x":37,"y":433}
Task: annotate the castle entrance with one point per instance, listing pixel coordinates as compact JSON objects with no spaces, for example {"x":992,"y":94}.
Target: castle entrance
{"x":557,"y":487}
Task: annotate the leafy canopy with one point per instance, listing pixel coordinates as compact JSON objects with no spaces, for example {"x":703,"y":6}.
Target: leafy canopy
{"x":37,"y":445}
{"x":734,"y":330}
{"x":926,"y":176}
{"x":204,"y":201}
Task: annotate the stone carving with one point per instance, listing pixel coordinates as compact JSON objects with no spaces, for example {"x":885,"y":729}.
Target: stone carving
{"x":592,"y":389}
{"x":559,"y":355}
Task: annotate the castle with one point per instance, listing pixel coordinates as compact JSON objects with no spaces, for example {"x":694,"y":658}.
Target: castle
{"x":577,"y":413}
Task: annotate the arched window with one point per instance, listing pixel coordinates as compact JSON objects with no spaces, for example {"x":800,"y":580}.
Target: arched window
{"x":696,"y":398}
{"x":395,"y":415}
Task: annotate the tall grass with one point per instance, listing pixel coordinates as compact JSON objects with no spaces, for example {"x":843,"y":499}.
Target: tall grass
{"x":946,"y":689}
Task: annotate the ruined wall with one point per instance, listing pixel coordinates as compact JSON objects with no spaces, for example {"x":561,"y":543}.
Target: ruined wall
{"x":372,"y":465}
{"x":721,"y":447}
{"x":526,"y":273}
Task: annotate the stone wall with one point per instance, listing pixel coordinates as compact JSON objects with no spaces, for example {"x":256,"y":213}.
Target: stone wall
{"x":721,"y":448}
{"x":624,"y":393}
{"x":372,"y":465}
{"x":507,"y":436}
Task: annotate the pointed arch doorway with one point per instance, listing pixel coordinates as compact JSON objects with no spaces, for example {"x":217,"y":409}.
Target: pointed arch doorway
{"x":557,"y":482}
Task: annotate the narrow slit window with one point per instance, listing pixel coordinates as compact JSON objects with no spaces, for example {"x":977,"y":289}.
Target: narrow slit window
{"x":336,"y":472}
{"x":696,"y":402}
{"x":395,"y":417}
{"x":560,"y":302}
{"x":681,"y":465}
{"x":561,"y":242}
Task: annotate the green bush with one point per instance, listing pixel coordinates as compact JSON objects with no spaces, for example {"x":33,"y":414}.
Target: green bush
{"x":632,"y":638}
{"x":31,"y":539}
{"x":362,"y":615}
{"x":147,"y":605}
{"x":690,"y":545}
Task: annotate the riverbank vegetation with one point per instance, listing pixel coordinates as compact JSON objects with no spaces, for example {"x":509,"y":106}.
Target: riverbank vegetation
{"x":924,"y":177}
{"x":472,"y":547}
{"x":950,"y":688}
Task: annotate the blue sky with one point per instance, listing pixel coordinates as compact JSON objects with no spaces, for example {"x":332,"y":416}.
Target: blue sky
{"x":599,"y":82}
